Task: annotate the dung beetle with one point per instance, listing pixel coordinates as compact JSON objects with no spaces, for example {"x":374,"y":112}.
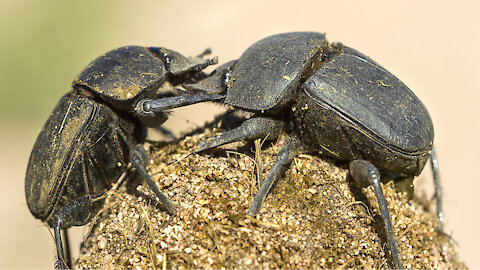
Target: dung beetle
{"x":330,"y":99}
{"x":92,"y":135}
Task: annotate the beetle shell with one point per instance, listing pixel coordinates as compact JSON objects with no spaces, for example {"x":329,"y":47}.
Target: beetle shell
{"x":351,"y":108}
{"x":375,"y":100}
{"x":322,"y":129}
{"x":66,"y":162}
{"x":123,"y":74}
{"x":281,"y":60}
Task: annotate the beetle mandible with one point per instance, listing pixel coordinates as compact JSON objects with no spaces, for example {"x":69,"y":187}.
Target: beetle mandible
{"x":329,"y":98}
{"x":92,"y":135}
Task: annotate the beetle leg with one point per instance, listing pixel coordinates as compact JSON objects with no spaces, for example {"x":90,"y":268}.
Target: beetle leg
{"x":206,"y":63}
{"x":178,"y":64}
{"x":438,"y":187}
{"x":365,"y":174}
{"x":148,"y":107}
{"x":291,"y":147}
{"x":68,"y":257}
{"x":251,"y":129}
{"x":138,"y":156}
{"x":60,"y":262}
{"x":207,"y":51}
{"x":216,"y":82}
{"x":76,"y":213}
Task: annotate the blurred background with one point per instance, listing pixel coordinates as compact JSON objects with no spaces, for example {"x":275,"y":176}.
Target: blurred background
{"x":432,"y":46}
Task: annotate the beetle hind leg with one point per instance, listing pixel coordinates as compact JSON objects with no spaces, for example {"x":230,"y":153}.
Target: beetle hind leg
{"x":365,"y":173}
{"x":438,"y":188}
{"x":68,"y":257}
{"x":60,"y":258}
{"x":76,"y":213}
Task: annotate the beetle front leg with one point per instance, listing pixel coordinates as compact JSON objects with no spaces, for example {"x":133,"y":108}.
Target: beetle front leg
{"x":138,"y":158}
{"x":177,"y":64}
{"x":366,"y":174}
{"x":148,"y":107}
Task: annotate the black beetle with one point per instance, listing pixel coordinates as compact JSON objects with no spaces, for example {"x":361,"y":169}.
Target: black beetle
{"x":329,"y":98}
{"x":92,"y":135}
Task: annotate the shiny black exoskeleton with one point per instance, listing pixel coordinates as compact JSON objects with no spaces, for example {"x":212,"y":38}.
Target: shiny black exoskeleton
{"x":92,"y":135}
{"x":331,"y":99}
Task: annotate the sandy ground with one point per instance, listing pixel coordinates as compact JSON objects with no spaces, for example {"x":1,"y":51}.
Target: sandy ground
{"x":311,"y":219}
{"x":432,"y":46}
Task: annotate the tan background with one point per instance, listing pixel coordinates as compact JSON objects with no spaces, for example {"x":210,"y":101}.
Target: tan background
{"x":433,"y":46}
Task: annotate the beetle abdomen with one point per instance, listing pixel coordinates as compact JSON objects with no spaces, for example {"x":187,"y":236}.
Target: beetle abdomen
{"x":374,"y":101}
{"x":323,"y":130}
{"x":64,"y":164}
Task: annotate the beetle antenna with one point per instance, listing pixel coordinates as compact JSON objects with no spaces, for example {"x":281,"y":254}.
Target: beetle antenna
{"x":207,"y":51}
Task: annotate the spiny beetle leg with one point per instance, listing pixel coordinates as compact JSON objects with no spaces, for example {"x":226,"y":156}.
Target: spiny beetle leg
{"x":365,"y":173}
{"x":216,"y":82}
